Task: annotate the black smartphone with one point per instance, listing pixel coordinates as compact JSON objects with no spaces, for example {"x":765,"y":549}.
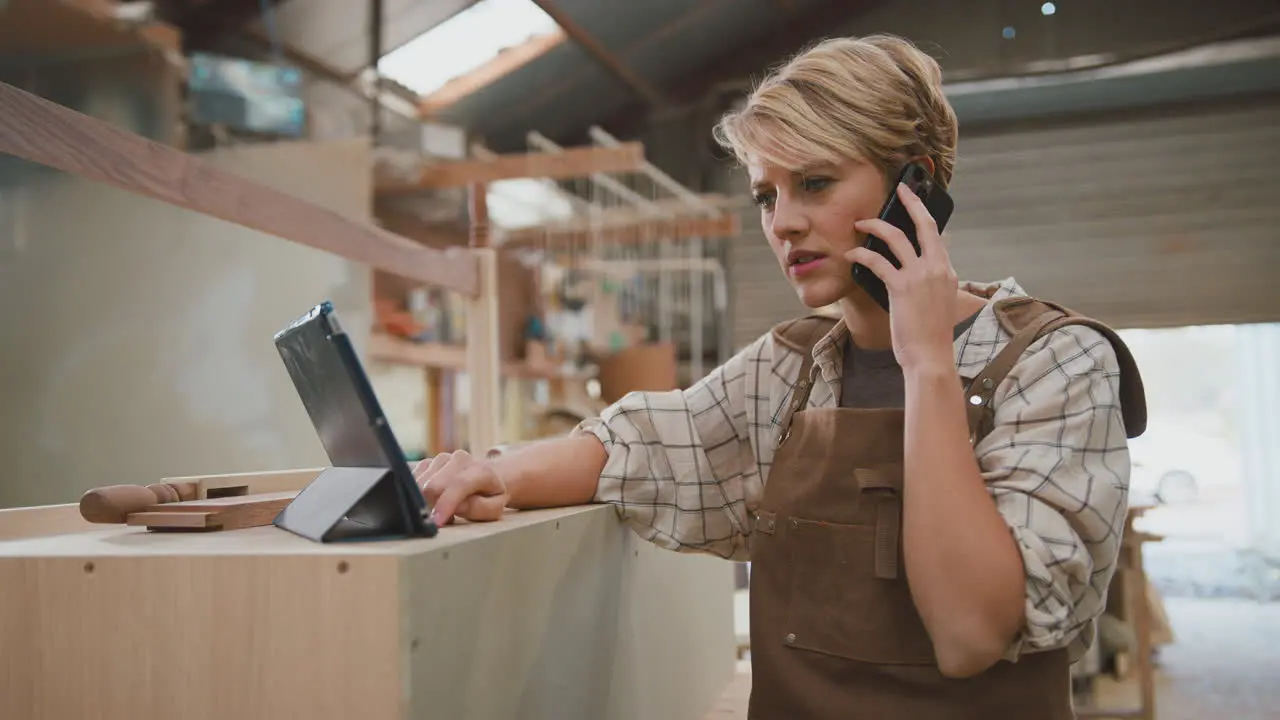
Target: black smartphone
{"x":339,"y":399}
{"x":936,"y":200}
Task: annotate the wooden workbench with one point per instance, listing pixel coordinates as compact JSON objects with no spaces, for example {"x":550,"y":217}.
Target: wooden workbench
{"x":547,"y":614}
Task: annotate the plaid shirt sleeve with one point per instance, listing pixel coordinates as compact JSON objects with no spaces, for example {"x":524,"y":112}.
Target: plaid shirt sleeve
{"x":1057,"y":465}
{"x":678,"y":461}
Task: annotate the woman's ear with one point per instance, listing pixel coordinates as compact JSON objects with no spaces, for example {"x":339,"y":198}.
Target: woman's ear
{"x":926,"y":161}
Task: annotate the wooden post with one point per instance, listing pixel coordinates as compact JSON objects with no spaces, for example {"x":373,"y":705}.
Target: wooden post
{"x":434,"y":441}
{"x":483,"y":366}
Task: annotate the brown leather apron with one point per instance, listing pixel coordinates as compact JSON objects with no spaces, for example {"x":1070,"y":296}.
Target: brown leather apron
{"x":834,"y":631}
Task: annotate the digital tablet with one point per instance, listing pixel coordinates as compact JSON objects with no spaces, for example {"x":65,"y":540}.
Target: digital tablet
{"x":346,"y":414}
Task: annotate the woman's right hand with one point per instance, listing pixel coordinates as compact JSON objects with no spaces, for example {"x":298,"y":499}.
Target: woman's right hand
{"x":457,"y":484}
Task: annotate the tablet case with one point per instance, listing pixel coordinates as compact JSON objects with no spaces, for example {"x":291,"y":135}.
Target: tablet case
{"x":369,"y":492}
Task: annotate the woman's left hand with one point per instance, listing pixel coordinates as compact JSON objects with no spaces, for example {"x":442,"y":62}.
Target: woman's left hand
{"x":922,"y":294}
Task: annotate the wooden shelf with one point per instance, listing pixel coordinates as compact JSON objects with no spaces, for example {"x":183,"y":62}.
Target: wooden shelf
{"x":442,"y":356}
{"x":391,"y":349}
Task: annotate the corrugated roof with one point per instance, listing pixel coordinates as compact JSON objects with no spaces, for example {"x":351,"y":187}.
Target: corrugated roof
{"x":657,"y":39}
{"x":566,"y":88}
{"x":668,"y":43}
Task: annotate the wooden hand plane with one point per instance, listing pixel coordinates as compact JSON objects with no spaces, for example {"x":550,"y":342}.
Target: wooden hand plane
{"x":198,"y":503}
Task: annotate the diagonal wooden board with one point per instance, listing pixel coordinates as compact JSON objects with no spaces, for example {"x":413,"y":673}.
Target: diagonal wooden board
{"x":45,"y":132}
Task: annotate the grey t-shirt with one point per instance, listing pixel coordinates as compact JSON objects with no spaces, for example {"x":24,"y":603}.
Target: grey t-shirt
{"x":873,"y":378}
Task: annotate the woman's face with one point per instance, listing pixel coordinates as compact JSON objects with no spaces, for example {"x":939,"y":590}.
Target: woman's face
{"x":808,"y":218}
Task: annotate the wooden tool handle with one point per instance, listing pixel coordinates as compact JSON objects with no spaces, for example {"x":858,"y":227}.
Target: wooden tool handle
{"x":114,"y":503}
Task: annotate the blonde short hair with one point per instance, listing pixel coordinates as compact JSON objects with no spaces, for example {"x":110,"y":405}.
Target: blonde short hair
{"x":876,"y":98}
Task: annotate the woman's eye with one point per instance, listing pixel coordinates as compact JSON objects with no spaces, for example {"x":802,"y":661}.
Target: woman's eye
{"x":815,"y":184}
{"x":762,"y":199}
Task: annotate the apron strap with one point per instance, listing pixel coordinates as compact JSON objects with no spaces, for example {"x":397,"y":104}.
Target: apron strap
{"x":1027,"y":320}
{"x":801,"y":335}
{"x":978,"y":395}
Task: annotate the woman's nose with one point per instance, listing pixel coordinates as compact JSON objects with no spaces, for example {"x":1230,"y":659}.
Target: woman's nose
{"x":789,"y":220}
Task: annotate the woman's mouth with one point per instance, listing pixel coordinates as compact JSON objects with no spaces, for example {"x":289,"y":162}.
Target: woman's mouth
{"x":800,"y":262}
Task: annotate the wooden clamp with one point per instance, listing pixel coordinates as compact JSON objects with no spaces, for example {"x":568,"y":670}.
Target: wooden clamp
{"x":201,"y":503}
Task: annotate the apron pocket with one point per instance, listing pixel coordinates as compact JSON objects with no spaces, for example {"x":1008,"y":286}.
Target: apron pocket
{"x":840,"y":607}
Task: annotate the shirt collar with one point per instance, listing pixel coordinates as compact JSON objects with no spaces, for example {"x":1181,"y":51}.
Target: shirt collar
{"x":974,"y":349}
{"x":978,"y":346}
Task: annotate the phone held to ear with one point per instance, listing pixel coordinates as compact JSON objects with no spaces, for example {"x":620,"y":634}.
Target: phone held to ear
{"x":940,"y":205}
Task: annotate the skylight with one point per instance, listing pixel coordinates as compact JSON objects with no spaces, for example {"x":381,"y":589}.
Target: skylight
{"x":464,"y":42}
{"x":526,"y":202}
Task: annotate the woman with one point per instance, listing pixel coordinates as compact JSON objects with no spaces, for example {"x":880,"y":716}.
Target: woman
{"x":932,"y":497}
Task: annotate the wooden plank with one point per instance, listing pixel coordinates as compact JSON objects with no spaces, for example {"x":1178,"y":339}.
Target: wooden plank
{"x":44,"y":132}
{"x":484,"y":367}
{"x":270,"y":481}
{"x":390,"y":349}
{"x":571,"y":163}
{"x":229,"y":513}
{"x":42,"y":521}
{"x":159,"y":35}
{"x":45,"y":27}
{"x":501,"y":65}
{"x":441,"y":356}
{"x":654,"y":230}
{"x":185,"y":520}
{"x":223,"y":504}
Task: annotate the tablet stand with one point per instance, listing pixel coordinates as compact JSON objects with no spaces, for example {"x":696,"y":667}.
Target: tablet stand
{"x":348,"y":503}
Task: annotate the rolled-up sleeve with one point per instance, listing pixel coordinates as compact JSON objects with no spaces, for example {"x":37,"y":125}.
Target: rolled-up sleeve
{"x":1057,"y":464}
{"x":676,"y":461}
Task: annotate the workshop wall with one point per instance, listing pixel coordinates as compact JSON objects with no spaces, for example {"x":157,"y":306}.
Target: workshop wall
{"x":137,"y":338}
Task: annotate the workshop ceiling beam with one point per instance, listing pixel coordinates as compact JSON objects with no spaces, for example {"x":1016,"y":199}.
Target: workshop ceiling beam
{"x":749,"y":58}
{"x":501,"y":65}
{"x":571,"y":163}
{"x":621,"y":70}
{"x":646,"y":231}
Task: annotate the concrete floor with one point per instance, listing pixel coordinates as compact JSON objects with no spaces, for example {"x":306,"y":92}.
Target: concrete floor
{"x":1224,"y":663}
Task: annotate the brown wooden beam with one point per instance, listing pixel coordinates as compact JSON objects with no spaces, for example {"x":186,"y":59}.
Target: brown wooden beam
{"x":610,"y":61}
{"x":529,"y":106}
{"x":571,"y":163}
{"x":51,"y":26}
{"x":501,"y":65}
{"x":44,"y":132}
{"x":655,"y":230}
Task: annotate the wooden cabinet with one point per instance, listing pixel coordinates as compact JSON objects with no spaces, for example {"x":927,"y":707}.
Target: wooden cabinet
{"x":550,"y":614}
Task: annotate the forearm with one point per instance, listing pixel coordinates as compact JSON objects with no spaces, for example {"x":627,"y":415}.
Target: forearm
{"x":962,"y":562}
{"x":552,"y":473}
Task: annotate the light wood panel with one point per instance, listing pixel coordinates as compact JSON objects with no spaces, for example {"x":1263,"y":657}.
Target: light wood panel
{"x":546,"y":614}
{"x":42,"y":521}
